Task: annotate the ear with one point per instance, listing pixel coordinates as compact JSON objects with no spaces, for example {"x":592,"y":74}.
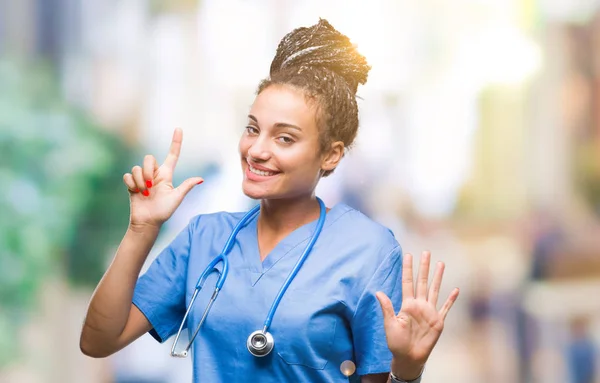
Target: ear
{"x":333,"y":156}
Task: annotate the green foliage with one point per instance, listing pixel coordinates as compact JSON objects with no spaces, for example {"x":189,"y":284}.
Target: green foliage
{"x":62,"y":207}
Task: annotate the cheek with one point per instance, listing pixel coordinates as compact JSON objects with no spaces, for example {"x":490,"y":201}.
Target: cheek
{"x":243,"y":144}
{"x":305,"y":164}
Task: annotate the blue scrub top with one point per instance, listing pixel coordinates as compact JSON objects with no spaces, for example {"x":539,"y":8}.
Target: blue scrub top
{"x":328,"y":315}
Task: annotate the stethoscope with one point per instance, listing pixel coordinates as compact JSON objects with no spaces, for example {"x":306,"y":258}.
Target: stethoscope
{"x":260,"y":342}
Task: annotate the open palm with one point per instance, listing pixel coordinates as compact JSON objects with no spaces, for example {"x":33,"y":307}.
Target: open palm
{"x":413,"y":332}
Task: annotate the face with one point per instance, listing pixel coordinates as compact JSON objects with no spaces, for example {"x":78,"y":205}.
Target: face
{"x":279,"y":148}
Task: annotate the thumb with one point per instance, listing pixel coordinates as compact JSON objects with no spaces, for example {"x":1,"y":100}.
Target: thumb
{"x":386,"y":306}
{"x":188,"y":185}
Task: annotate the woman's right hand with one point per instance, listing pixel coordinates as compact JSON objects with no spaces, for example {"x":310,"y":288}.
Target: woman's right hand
{"x":152,"y":197}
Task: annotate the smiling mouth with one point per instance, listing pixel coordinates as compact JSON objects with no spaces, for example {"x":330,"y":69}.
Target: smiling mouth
{"x":260,"y":172}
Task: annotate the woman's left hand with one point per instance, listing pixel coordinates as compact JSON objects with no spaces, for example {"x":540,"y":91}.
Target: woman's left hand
{"x":414,"y":331}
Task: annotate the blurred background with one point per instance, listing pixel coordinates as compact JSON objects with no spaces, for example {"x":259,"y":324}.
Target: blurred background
{"x":479,"y":140}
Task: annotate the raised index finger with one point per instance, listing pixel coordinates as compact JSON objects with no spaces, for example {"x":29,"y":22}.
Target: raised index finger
{"x":175,"y":149}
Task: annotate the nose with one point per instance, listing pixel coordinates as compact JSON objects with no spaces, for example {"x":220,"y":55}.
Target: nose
{"x":259,"y":150}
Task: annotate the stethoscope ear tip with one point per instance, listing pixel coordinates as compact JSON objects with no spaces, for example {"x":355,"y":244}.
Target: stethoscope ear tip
{"x":182,"y":354}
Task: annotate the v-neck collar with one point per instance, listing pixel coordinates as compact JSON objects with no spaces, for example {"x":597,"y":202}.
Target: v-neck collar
{"x":297,"y":238}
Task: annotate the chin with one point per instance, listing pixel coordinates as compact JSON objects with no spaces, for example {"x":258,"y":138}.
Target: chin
{"x":255,"y":192}
{"x":259,"y":192}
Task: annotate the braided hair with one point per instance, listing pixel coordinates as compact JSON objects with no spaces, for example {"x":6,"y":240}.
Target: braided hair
{"x":327,"y":67}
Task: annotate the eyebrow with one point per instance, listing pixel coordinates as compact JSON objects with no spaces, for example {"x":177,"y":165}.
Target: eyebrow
{"x":278,"y":124}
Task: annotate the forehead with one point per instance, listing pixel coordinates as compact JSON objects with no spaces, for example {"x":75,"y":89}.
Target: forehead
{"x":284,"y":104}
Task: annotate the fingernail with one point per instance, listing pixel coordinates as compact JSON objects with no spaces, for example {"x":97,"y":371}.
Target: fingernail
{"x":136,"y":190}
{"x":146,"y":193}
{"x":148,"y":184}
{"x":199,"y":182}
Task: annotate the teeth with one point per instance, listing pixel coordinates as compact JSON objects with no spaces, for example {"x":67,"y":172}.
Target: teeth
{"x":260,"y":172}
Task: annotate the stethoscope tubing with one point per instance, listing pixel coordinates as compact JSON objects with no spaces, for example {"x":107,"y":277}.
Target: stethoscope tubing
{"x":222,"y":257}
{"x":297,"y":267}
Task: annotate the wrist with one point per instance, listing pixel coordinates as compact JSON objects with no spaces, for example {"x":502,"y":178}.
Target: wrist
{"x":143,"y":228}
{"x":406,"y":370}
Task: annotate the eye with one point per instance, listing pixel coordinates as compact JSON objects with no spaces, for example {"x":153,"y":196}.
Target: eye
{"x":285,"y":140}
{"x":251,"y":130}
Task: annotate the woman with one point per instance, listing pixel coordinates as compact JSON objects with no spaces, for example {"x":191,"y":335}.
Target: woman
{"x":301,"y":123}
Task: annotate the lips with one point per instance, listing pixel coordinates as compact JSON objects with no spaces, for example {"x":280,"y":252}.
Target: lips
{"x":256,"y":172}
{"x":261,"y":172}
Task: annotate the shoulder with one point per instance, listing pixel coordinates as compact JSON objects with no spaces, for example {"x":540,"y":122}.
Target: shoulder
{"x":221,"y":220}
{"x":362,"y":236}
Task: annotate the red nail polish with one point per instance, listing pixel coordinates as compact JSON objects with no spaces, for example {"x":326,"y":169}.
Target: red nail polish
{"x":148,"y":184}
{"x":199,"y":182}
{"x":146,"y":193}
{"x":136,"y":190}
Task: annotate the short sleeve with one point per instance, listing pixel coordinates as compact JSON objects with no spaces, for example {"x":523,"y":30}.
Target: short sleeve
{"x":370,"y":345}
{"x":160,"y":292}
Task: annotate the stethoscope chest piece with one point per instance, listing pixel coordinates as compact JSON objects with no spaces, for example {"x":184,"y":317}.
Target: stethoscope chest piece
{"x":260,"y":343}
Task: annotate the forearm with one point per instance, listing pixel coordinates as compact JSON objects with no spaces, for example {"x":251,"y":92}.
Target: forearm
{"x":110,"y":305}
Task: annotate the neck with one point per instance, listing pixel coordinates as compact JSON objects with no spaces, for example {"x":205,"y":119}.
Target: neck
{"x":280,"y":217}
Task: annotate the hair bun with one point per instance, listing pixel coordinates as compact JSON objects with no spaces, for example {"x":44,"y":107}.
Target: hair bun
{"x":321,"y":46}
